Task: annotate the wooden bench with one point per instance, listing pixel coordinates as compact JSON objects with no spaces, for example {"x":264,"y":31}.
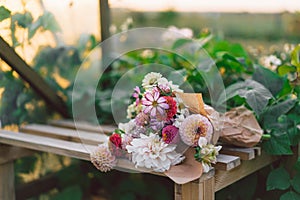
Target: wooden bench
{"x":60,"y":137}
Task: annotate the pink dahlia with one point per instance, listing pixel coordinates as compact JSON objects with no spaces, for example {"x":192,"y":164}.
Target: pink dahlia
{"x":193,"y":127}
{"x":142,"y":119}
{"x":172,"y":107}
{"x":170,"y":134}
{"x":154,"y":104}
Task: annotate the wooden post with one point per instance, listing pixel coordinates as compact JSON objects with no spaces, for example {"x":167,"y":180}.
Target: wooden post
{"x":7,"y":177}
{"x":104,"y":19}
{"x":196,"y":190}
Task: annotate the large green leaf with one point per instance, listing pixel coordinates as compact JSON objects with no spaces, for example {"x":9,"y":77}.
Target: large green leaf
{"x":4,"y":13}
{"x":286,"y":69}
{"x":278,"y":144}
{"x":296,"y":182}
{"x":290,"y":195}
{"x":269,"y":79}
{"x":256,"y":95}
{"x":272,"y":113}
{"x":278,"y":179}
{"x":23,"y":19}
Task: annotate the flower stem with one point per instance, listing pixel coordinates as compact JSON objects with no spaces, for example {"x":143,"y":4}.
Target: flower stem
{"x":266,"y":137}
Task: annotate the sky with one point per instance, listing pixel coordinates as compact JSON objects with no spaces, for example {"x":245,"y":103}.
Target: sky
{"x":264,"y":6}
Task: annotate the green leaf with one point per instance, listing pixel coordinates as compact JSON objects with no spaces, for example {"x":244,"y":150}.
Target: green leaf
{"x":49,"y":22}
{"x":278,"y":144}
{"x":290,"y":196}
{"x":269,"y":79}
{"x":73,"y":192}
{"x":295,"y":55}
{"x":180,"y":42}
{"x":297,"y":165}
{"x":46,"y":22}
{"x":272,"y":113}
{"x":278,"y":179}
{"x":23,"y":20}
{"x":286,"y":69}
{"x":296,"y":182}
{"x":4,"y":13}
{"x":256,"y":95}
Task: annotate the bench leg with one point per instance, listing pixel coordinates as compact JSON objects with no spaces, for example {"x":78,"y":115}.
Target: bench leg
{"x":196,"y":190}
{"x":7,"y":177}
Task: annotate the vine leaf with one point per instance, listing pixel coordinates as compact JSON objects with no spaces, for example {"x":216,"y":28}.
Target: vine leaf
{"x":4,"y":13}
{"x":290,"y":196}
{"x":23,"y":20}
{"x":296,"y":182}
{"x":256,"y":95}
{"x":279,"y":144}
{"x":295,"y":55}
{"x":269,"y":79}
{"x":278,"y":179}
{"x":46,"y":22}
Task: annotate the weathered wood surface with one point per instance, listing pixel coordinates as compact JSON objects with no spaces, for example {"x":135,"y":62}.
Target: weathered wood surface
{"x":65,"y":134}
{"x":104,"y":129}
{"x":11,"y":153}
{"x":224,"y":178}
{"x":7,"y":177}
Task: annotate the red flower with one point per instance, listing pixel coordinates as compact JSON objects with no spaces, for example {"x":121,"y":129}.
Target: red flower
{"x":172,"y":107}
{"x":116,"y":140}
{"x":170,"y":134}
{"x":115,"y":145}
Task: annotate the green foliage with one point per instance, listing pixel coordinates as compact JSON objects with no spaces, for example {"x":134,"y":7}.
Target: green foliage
{"x":278,"y":179}
{"x":4,"y":13}
{"x":73,"y":192}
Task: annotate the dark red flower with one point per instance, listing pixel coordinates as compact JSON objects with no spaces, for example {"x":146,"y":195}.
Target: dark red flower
{"x":116,"y":140}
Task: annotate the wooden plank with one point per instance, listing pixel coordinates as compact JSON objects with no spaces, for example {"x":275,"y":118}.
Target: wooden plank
{"x":65,"y":134}
{"x":106,"y":129}
{"x":243,"y":153}
{"x":11,"y":153}
{"x":224,"y":178}
{"x":9,"y":55}
{"x":227,"y":162}
{"x":7,"y":177}
{"x":104,"y":19}
{"x":56,"y":146}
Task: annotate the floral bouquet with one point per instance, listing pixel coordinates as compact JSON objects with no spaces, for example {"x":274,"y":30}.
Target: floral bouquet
{"x":163,"y":123}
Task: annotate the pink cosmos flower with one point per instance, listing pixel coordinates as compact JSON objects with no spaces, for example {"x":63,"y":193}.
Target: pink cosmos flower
{"x":154,"y":103}
{"x":136,"y":95}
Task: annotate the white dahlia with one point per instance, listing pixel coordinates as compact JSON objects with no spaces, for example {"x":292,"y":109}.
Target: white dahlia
{"x":103,"y":159}
{"x":193,"y":127}
{"x":151,"y":152}
{"x":150,"y":79}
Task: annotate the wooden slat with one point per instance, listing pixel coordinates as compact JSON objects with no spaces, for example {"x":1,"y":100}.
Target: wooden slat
{"x":83,"y":126}
{"x":56,"y":146}
{"x":224,"y":178}
{"x":227,"y":162}
{"x":9,"y":55}
{"x":7,"y":177}
{"x":243,"y":153}
{"x":10,"y":153}
{"x":65,"y":134}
